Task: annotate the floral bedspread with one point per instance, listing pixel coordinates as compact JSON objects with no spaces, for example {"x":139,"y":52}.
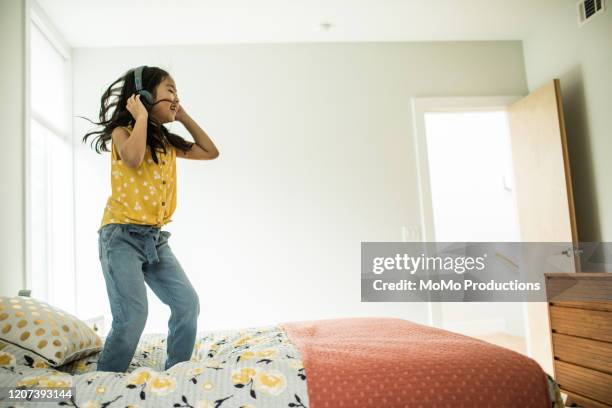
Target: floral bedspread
{"x":248,"y":368}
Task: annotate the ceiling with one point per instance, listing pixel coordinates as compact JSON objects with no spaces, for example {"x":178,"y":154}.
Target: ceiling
{"x":89,"y":23}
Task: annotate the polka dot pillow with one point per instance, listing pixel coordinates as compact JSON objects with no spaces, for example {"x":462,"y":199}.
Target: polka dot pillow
{"x":53,"y":334}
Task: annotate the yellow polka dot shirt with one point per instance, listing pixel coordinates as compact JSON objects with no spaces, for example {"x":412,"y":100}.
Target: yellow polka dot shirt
{"x":144,"y":195}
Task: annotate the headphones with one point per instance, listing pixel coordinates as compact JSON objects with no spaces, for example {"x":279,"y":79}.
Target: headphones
{"x":148,"y":98}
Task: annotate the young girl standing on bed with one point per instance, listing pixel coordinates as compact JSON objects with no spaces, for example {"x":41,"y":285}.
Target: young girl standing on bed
{"x":132,"y":247}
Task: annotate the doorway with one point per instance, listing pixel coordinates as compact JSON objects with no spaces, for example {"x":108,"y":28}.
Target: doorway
{"x":470,"y":170}
{"x":465,"y":170}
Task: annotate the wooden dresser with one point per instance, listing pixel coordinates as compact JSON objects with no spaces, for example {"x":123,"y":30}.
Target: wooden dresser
{"x":580,"y":313}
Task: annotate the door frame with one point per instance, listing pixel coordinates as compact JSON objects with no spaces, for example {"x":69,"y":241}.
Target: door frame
{"x":420,"y":106}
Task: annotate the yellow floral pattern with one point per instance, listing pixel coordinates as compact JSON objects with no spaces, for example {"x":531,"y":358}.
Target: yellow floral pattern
{"x":248,"y":368}
{"x":144,"y":195}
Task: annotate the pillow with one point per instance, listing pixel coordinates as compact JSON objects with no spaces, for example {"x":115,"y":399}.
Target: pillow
{"x":16,"y":359}
{"x":51,"y":333}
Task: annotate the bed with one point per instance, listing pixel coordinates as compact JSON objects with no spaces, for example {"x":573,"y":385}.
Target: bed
{"x":349,"y":362}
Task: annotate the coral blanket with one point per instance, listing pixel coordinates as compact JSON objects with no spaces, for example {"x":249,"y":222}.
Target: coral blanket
{"x":374,"y":362}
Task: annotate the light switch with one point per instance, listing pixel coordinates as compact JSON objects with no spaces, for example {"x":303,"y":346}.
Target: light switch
{"x":411,"y":233}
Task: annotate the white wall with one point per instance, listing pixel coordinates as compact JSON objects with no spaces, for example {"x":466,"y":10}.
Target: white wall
{"x":582,"y":59}
{"x":316,"y":156}
{"x":12,"y":168}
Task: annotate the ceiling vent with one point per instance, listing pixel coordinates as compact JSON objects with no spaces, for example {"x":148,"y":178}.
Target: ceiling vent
{"x":588,"y":9}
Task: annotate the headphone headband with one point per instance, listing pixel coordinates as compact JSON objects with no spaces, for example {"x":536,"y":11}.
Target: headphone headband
{"x":138,"y":77}
{"x":148,"y":98}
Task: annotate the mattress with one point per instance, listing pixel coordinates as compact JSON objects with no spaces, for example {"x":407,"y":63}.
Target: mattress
{"x":349,"y":362}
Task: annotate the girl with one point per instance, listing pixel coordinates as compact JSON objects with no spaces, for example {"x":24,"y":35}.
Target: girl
{"x":132,"y":248}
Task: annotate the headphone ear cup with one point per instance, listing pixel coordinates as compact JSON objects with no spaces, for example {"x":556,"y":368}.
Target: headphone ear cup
{"x":148,"y":98}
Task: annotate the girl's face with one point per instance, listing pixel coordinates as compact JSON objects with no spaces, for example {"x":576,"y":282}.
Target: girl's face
{"x":165,"y":111}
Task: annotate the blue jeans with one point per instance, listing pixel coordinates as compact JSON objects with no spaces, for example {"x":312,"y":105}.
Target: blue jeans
{"x":131,"y":255}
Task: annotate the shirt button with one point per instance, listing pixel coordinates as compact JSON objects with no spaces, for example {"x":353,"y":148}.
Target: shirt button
{"x":163,"y":162}
{"x":164,"y":203}
{"x":163,"y":181}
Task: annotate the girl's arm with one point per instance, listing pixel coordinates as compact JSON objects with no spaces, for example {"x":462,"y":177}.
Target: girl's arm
{"x":132,"y":148}
{"x":204,"y":149}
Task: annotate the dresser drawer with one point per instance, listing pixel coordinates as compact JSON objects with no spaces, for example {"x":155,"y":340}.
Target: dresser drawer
{"x":592,"y":324}
{"x":586,"y":287}
{"x":583,"y":401}
{"x":603,"y":306}
{"x":583,"y":381}
{"x":580,"y":310}
{"x":584,"y":352}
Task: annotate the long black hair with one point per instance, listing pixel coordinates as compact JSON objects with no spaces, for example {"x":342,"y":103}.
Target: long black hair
{"x":114,"y":100}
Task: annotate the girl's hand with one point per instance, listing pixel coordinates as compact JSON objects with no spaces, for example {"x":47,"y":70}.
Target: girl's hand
{"x":136,"y":108}
{"x":181,"y":114}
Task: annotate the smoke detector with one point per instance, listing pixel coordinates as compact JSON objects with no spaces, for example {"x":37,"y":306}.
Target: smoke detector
{"x":588,"y":9}
{"x":325,"y":26}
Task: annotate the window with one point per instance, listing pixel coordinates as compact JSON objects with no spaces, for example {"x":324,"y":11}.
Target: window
{"x":50,"y":242}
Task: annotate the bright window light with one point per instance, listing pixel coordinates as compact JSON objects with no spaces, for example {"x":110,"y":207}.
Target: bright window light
{"x":50,"y":178}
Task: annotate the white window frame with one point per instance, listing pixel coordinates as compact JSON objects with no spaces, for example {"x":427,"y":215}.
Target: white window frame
{"x":34,"y":14}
